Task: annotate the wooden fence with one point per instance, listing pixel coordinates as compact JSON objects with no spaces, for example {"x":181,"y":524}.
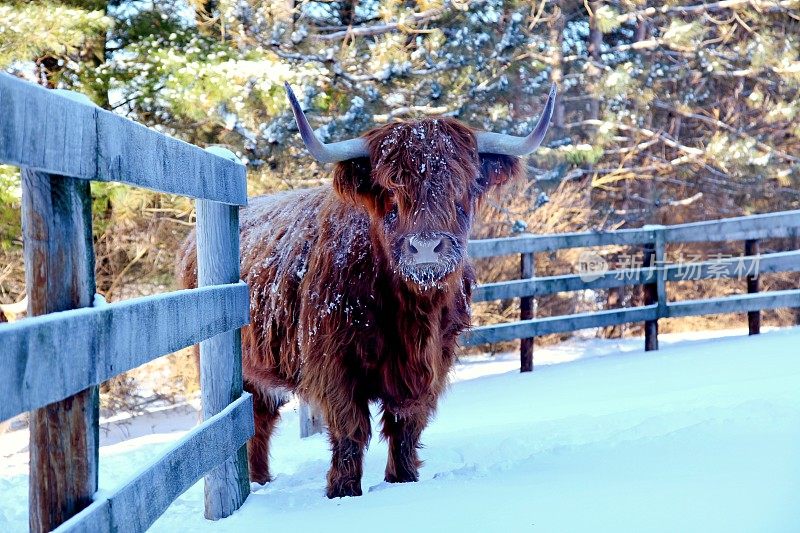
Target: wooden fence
{"x":654,"y":272}
{"x":52,"y":363}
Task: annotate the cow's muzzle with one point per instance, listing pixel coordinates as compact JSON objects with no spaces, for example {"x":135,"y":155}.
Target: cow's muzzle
{"x":426,"y":258}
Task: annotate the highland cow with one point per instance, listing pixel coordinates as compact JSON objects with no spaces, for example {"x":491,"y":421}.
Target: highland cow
{"x":359,"y":289}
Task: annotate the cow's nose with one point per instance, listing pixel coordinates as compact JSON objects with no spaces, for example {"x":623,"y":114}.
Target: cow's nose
{"x":425,"y":248}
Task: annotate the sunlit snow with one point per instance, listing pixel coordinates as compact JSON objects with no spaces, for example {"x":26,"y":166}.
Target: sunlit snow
{"x":703,"y":435}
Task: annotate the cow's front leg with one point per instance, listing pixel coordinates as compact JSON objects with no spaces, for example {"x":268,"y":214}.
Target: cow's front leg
{"x":349,"y":432}
{"x":344,"y":477}
{"x":402,"y":431}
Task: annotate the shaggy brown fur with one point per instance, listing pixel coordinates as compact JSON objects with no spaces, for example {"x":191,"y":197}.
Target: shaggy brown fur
{"x":336,"y":314}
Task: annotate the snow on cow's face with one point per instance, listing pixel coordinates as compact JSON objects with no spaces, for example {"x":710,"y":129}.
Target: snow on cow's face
{"x":421,"y":185}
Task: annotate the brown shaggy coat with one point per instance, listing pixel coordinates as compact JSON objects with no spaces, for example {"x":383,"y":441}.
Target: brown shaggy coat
{"x":336,"y":317}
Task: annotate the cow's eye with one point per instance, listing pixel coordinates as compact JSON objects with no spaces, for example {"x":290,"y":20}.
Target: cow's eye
{"x":391,"y":216}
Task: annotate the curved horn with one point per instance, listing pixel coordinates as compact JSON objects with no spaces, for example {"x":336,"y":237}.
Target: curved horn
{"x":498,"y":143}
{"x":324,"y":153}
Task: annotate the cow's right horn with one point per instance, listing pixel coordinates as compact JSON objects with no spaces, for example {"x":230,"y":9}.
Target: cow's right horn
{"x":498,"y":143}
{"x":324,"y":153}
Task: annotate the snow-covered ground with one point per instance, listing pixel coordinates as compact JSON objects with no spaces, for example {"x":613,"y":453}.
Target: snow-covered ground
{"x":703,"y":435}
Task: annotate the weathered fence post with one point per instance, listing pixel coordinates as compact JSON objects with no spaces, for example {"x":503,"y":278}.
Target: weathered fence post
{"x":794,"y":244}
{"x":59,"y":275}
{"x":311,"y":420}
{"x":751,"y":248}
{"x":654,"y":292}
{"x":527,"y":270}
{"x":614,"y":301}
{"x":228,"y":485}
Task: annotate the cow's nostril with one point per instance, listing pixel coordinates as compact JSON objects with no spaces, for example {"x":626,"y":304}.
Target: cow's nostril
{"x":424,"y":250}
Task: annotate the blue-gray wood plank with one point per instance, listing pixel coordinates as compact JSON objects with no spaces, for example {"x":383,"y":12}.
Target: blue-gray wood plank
{"x":44,"y":130}
{"x":136,"y":505}
{"x":555,"y":324}
{"x":50,"y":357}
{"x":764,"y":226}
{"x":725,"y":267}
{"x":769,"y":225}
{"x":740,"y":303}
{"x":522,"y":244}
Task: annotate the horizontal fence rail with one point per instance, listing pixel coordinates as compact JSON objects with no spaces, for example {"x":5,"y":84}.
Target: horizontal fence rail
{"x":557,"y":324}
{"x":138,"y":503}
{"x":740,"y":303}
{"x":53,"y":361}
{"x":730,"y":267}
{"x":523,"y":244}
{"x":771,"y":225}
{"x":767,"y":226}
{"x":43,"y":130}
{"x":653,"y":274}
{"x":50,"y":357}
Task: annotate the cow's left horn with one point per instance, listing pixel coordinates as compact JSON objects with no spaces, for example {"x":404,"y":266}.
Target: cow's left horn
{"x":324,"y":153}
{"x":498,"y":143}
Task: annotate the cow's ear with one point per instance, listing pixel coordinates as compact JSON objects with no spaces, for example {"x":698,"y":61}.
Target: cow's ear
{"x":352,"y":181}
{"x":497,"y":170}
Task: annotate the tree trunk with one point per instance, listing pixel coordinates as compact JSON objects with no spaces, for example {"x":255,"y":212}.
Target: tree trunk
{"x":595,"y":44}
{"x":557,"y":21}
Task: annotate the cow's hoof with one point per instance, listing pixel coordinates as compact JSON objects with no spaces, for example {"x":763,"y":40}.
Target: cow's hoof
{"x":402,"y":477}
{"x":344,"y":489}
{"x":261,"y":479}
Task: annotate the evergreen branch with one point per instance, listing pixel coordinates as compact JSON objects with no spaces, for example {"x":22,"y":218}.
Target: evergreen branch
{"x":647,"y":44}
{"x":664,"y":138}
{"x":378,"y":29}
{"x":701,"y":8}
{"x":730,"y":129}
{"x":405,"y":110}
